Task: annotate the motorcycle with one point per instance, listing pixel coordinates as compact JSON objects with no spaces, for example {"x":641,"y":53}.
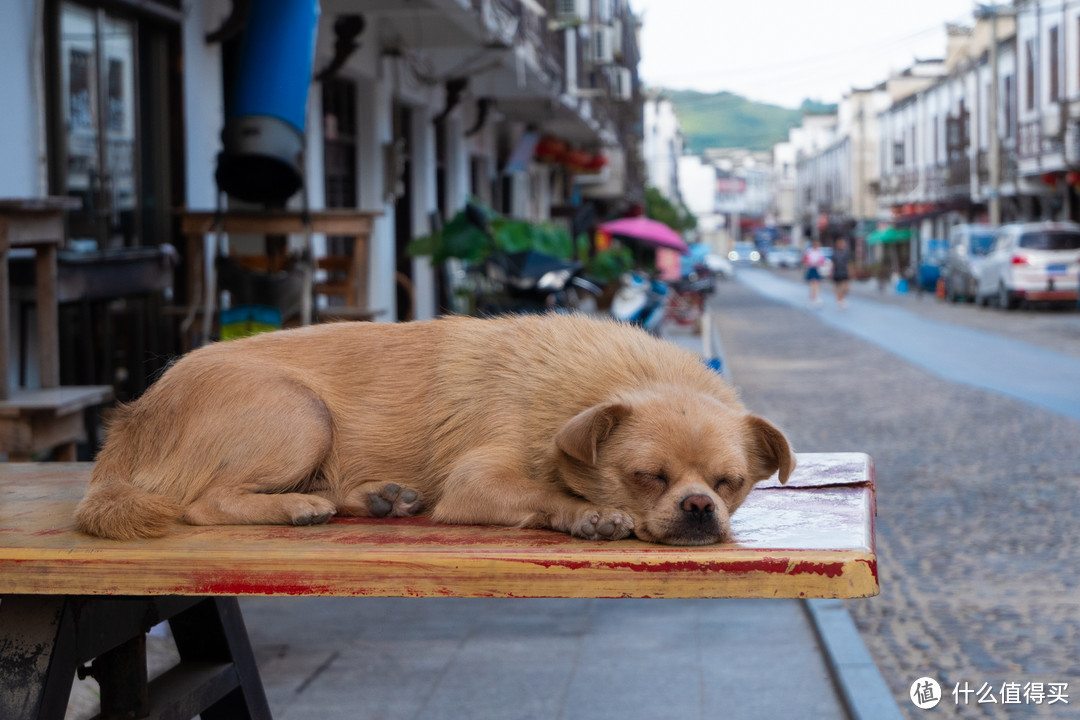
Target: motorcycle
{"x":640,"y":301}
{"x":526,"y":281}
{"x":530,"y":281}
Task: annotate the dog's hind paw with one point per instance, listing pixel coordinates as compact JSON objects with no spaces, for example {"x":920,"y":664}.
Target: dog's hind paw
{"x":393,"y":500}
{"x":603,"y":524}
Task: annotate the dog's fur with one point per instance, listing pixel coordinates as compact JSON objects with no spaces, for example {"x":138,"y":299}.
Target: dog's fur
{"x":583,"y":426}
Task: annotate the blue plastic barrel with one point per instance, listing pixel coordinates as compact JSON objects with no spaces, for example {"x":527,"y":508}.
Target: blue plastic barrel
{"x":264,"y":131}
{"x":276,"y":59}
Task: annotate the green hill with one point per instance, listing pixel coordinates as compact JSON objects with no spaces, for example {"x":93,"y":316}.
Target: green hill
{"x":723,"y":119}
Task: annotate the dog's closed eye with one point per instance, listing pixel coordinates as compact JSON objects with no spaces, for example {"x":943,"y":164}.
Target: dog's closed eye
{"x":731,"y":482}
{"x":652,"y":480}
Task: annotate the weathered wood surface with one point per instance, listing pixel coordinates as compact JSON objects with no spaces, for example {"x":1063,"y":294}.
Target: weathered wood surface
{"x":813,"y":537}
{"x":280,"y":222}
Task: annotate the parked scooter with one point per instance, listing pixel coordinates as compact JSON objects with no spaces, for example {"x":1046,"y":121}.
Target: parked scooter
{"x":640,"y":301}
{"x":527,"y":281}
{"x":531,"y":281}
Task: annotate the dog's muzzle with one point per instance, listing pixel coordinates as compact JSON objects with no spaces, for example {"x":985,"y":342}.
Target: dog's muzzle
{"x":697,"y":522}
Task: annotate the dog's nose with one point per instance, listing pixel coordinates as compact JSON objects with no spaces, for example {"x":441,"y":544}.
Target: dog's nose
{"x":698,"y":505}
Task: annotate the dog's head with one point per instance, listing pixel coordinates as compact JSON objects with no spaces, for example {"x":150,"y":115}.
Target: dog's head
{"x":679,"y":463}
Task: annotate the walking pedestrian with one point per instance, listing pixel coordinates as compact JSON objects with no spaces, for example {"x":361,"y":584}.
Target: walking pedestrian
{"x":814,"y":260}
{"x":841,"y":271}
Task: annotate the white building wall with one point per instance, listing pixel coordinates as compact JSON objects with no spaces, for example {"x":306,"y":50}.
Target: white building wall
{"x":698,"y":183}
{"x":204,"y":109}
{"x":20,"y":80}
{"x":662,"y":146}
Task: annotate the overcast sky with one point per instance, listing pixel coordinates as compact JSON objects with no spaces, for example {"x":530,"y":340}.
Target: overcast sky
{"x":782,"y":51}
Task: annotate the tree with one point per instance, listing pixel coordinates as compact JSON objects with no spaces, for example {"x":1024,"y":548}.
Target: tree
{"x":658,"y":207}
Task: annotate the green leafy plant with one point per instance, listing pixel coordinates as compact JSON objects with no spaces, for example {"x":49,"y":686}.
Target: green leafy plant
{"x":608,"y":265}
{"x":461,"y":238}
{"x":658,"y":207}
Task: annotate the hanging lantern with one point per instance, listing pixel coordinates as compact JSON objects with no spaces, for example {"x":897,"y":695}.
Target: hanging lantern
{"x":1072,"y":177}
{"x":576,"y":160}
{"x":549,"y":149}
{"x":596,"y":163}
{"x":1050,"y":179}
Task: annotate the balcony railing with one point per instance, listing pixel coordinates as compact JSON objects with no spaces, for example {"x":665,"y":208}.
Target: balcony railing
{"x":958,"y":175}
{"x":935,"y":182}
{"x":1032,"y":142}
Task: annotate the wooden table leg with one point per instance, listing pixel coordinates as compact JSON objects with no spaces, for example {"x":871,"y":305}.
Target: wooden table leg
{"x":68,"y":452}
{"x":47,"y":317}
{"x":5,"y":317}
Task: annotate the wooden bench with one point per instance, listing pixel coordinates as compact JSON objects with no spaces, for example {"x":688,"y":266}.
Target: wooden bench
{"x":66,"y":598}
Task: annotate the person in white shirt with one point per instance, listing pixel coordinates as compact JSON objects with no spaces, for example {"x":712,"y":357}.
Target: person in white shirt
{"x":814,"y":260}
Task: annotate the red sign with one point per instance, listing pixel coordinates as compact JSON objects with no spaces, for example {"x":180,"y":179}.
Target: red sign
{"x":730,"y":186}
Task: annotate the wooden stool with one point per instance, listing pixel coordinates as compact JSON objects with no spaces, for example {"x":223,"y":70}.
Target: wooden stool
{"x":36,"y":420}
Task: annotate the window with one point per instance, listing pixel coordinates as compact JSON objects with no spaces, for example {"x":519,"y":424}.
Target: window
{"x":1050,"y":241}
{"x":937,"y":155}
{"x":898,"y":153}
{"x":339,"y":152}
{"x":1055,"y":88}
{"x":1007,"y":106}
{"x":1029,"y":74}
{"x":339,"y":142}
{"x":954,"y":141}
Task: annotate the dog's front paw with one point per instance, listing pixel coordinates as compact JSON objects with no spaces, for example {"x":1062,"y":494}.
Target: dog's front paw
{"x":310,"y":510}
{"x":393,"y":500}
{"x":603,"y":524}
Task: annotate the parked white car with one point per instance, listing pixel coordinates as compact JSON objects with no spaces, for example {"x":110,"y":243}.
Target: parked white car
{"x":1037,"y":262}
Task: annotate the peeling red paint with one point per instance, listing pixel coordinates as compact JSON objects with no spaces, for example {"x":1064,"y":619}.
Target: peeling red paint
{"x":776,"y":566}
{"x":243,"y":584}
{"x":872,"y":565}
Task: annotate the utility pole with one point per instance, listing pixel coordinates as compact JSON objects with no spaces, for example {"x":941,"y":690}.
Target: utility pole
{"x":994,"y":192}
{"x":994,"y":205}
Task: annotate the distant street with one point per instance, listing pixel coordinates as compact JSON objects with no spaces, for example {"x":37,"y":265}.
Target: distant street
{"x":954,"y":350}
{"x":977,"y":488}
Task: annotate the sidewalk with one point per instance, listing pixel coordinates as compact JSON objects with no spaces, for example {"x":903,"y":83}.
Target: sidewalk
{"x":354,"y":659}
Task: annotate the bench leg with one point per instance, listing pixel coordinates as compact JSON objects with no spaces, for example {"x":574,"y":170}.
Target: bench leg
{"x":44,"y":640}
{"x":213,"y":632}
{"x":37,"y":657}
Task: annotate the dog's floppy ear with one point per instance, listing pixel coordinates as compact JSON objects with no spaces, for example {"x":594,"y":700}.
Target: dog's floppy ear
{"x":769,"y":449}
{"x":581,"y":434}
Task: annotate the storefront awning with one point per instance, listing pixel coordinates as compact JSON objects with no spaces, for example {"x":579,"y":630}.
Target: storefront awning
{"x":889,"y":235}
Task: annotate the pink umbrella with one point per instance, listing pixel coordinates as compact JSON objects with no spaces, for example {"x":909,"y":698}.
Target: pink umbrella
{"x":647,"y":231}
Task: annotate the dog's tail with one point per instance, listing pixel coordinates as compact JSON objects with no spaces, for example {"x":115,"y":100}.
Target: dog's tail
{"x":119,"y":510}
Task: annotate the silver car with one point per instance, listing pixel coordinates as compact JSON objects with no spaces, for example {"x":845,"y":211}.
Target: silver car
{"x":968,"y":247}
{"x":1037,"y":262}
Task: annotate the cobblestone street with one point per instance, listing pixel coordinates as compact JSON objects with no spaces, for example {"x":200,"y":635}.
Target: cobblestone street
{"x":977,"y":502}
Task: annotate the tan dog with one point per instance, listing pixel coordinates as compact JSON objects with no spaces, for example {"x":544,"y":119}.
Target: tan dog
{"x":578,"y":425}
